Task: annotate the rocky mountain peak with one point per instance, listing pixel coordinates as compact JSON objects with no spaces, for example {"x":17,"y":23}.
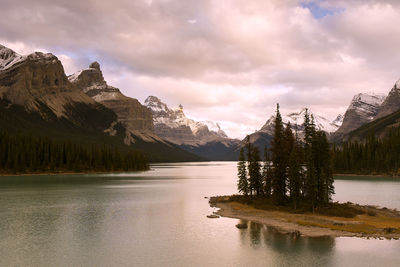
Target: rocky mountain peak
{"x":8,"y":57}
{"x":367,"y":103}
{"x":362,"y":109}
{"x":37,"y":80}
{"x":391,"y":103}
{"x":173,"y":125}
{"x":95,"y":65}
{"x":156,"y":105}
{"x":296,"y":120}
{"x":91,"y":80}
{"x":6,"y":53}
{"x":134,"y":116}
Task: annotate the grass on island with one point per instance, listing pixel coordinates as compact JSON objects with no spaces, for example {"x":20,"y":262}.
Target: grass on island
{"x":348,"y":217}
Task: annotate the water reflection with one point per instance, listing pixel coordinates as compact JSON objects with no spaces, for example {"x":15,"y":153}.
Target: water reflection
{"x":158,"y":218}
{"x":259,"y":235}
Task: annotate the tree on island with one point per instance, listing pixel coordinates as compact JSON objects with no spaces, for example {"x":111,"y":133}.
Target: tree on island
{"x":297,"y":172}
{"x":278,"y":159}
{"x":243,"y":185}
{"x":267,"y":174}
{"x":255,"y":177}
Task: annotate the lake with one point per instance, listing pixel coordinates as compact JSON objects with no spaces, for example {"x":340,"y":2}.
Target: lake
{"x":158,"y":218}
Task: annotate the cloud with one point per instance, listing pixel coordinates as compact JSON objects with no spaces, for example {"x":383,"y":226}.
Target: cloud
{"x":226,"y":60}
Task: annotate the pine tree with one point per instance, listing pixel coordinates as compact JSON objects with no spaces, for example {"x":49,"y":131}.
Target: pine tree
{"x":255,"y":178}
{"x":267,"y":174}
{"x":243,"y":185}
{"x":278,"y":160}
{"x":310,"y":183}
{"x":295,"y":173}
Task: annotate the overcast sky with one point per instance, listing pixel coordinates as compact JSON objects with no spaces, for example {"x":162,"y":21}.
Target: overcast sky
{"x":228,"y":61}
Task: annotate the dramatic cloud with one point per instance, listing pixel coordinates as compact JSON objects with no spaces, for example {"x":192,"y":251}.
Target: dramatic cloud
{"x":229,"y":61}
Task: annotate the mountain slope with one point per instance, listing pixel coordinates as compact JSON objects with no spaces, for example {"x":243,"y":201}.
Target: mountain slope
{"x":362,"y":109}
{"x":378,"y":127}
{"x":174,"y":126}
{"x":391,"y":103}
{"x":262,"y":138}
{"x":37,"y":99}
{"x":134,"y":116}
{"x":205,"y":139}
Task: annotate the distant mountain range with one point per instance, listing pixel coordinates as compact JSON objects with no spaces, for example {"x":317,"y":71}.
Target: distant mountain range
{"x":37,"y":98}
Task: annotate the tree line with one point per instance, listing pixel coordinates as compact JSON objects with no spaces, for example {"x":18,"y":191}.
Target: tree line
{"x":28,"y":154}
{"x":372,"y":156}
{"x":294,"y":171}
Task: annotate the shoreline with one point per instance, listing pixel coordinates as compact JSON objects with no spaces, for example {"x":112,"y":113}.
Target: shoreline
{"x":368,"y":175}
{"x":309,"y":225}
{"x":65,"y":173}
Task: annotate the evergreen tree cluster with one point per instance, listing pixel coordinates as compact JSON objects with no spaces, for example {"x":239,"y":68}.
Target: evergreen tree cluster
{"x":373,"y":156}
{"x":27,"y":154}
{"x":293,"y":170}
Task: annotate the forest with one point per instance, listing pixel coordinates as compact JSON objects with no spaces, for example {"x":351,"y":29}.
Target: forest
{"x":294,"y":172}
{"x":372,"y":156}
{"x":28,"y":154}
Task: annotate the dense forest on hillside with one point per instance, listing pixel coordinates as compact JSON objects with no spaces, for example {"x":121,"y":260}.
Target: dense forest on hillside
{"x":28,"y":154}
{"x":373,"y":156}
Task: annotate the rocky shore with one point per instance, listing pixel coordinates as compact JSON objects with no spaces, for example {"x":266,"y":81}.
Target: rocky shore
{"x":375,"y":223}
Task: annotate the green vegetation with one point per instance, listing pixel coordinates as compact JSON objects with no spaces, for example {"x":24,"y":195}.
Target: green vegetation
{"x":27,"y":154}
{"x":296,"y":173}
{"x":333,"y":209}
{"x":373,"y":156}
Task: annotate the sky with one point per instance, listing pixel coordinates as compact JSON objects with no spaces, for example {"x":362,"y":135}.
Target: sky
{"x":229,"y":61}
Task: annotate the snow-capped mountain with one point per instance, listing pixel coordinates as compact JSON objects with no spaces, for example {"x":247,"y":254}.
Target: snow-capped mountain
{"x":37,"y":80}
{"x":362,"y":109}
{"x":8,"y":58}
{"x":296,"y":120}
{"x":174,"y":126}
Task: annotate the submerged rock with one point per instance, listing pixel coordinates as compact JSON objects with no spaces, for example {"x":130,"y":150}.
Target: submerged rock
{"x":212,"y":216}
{"x":241,"y":225}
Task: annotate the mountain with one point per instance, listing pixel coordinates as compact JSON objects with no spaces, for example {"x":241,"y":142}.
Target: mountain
{"x":382,"y":113}
{"x":135,"y":117}
{"x":296,"y":119}
{"x":37,"y":99}
{"x":391,"y":103}
{"x":174,"y":126}
{"x":263,"y":137}
{"x":38,"y":79}
{"x":204,"y":138}
{"x":362,"y":109}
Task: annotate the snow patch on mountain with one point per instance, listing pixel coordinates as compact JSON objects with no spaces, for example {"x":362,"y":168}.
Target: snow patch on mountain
{"x":367,"y":104}
{"x":296,"y":120}
{"x":9,"y":58}
{"x":176,"y":119}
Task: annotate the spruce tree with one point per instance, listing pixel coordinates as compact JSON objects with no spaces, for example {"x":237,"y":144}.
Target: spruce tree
{"x":310,"y":184}
{"x":295,"y":173}
{"x":267,"y":174}
{"x":243,"y":185}
{"x":255,"y":178}
{"x":278,"y":160}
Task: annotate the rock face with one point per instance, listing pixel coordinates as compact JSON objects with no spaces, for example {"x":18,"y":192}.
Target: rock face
{"x":391,"y":103}
{"x":134,"y":116}
{"x":174,"y":126}
{"x":37,"y":80}
{"x":363,"y":109}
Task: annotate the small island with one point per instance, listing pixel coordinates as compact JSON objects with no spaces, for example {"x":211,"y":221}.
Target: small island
{"x":292,"y":190}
